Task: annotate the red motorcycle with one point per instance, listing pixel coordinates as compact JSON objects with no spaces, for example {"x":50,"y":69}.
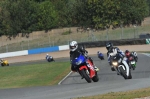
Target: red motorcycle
{"x":85,"y":68}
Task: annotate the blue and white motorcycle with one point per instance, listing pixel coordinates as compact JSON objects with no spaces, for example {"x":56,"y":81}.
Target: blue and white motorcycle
{"x":100,"y":55}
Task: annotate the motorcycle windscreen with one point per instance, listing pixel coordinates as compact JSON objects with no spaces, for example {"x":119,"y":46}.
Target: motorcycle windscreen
{"x":115,"y":58}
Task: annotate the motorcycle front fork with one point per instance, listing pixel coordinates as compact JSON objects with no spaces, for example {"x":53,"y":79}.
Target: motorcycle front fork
{"x":82,"y":75}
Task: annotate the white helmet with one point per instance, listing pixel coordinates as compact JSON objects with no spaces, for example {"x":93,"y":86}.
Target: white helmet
{"x":46,"y":54}
{"x":134,"y":53}
{"x":73,"y":45}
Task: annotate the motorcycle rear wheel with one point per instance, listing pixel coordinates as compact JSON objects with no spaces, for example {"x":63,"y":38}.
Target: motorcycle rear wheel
{"x":85,"y":75}
{"x":133,"y":67}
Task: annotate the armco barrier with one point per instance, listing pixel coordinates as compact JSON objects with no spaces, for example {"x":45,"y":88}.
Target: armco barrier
{"x":115,"y":43}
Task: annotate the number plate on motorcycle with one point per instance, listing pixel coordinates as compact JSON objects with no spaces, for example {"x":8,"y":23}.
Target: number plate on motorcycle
{"x":132,"y":62}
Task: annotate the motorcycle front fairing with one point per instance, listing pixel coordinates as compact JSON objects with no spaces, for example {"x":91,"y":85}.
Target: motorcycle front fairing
{"x":78,"y":60}
{"x":121,"y":63}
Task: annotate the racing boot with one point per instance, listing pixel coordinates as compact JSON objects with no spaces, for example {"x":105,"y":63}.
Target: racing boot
{"x":96,"y":68}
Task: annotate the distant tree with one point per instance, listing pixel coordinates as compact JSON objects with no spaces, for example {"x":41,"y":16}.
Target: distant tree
{"x":115,"y":12}
{"x":134,"y":11}
{"x":148,"y":2}
{"x":47,"y":16}
{"x":18,"y":16}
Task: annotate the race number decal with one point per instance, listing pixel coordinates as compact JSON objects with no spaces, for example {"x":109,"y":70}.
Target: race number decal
{"x":132,"y":62}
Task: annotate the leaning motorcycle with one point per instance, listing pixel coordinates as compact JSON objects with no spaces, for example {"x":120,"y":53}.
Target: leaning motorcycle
{"x":84,"y":67}
{"x":4,"y":63}
{"x":50,"y":59}
{"x":100,"y":56}
{"x":132,"y":62}
{"x":120,"y":65}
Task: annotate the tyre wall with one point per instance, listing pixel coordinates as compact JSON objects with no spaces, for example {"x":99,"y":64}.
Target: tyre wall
{"x":115,"y":43}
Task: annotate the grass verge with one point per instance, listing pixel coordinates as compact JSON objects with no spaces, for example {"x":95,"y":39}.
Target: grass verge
{"x":122,"y":95}
{"x":50,"y":74}
{"x":33,"y":75}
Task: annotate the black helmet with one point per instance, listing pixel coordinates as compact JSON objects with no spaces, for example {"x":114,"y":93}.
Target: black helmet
{"x":127,"y":51}
{"x":109,"y":46}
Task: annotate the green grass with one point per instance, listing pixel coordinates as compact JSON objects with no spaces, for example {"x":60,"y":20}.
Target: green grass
{"x":47,"y":74}
{"x":33,"y":75}
{"x":122,"y":95}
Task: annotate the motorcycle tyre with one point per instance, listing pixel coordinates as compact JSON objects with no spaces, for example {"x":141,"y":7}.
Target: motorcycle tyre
{"x":2,"y":64}
{"x":136,"y":59}
{"x":123,"y":73}
{"x":85,"y":75}
{"x":133,"y":67}
{"x":102,"y":58}
{"x":95,"y":78}
{"x":112,"y":68}
{"x":130,"y":76}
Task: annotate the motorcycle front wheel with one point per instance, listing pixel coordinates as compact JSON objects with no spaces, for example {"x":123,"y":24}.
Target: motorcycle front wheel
{"x":123,"y":73}
{"x":85,"y":75}
{"x":2,"y":64}
{"x":130,"y":76}
{"x":95,"y":78}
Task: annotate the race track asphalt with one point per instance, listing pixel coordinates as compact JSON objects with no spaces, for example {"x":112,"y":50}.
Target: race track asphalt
{"x":73,"y":86}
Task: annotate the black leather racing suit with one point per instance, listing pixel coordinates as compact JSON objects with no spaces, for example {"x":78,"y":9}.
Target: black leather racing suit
{"x":81,"y":50}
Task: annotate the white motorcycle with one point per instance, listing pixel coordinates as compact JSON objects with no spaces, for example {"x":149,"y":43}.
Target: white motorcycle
{"x":121,"y":67}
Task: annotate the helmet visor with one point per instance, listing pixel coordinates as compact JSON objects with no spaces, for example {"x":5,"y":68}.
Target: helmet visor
{"x":72,"y":47}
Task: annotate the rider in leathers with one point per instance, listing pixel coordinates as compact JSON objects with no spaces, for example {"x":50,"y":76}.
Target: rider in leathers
{"x":74,"y":49}
{"x":113,"y":51}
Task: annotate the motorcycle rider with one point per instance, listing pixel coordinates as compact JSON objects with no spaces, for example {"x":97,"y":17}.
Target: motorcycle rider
{"x":74,"y":49}
{"x":134,"y":54}
{"x":48,"y":57}
{"x":113,"y":51}
{"x":100,"y":55}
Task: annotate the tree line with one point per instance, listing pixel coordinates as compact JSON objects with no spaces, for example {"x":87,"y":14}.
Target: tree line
{"x":25,"y":16}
